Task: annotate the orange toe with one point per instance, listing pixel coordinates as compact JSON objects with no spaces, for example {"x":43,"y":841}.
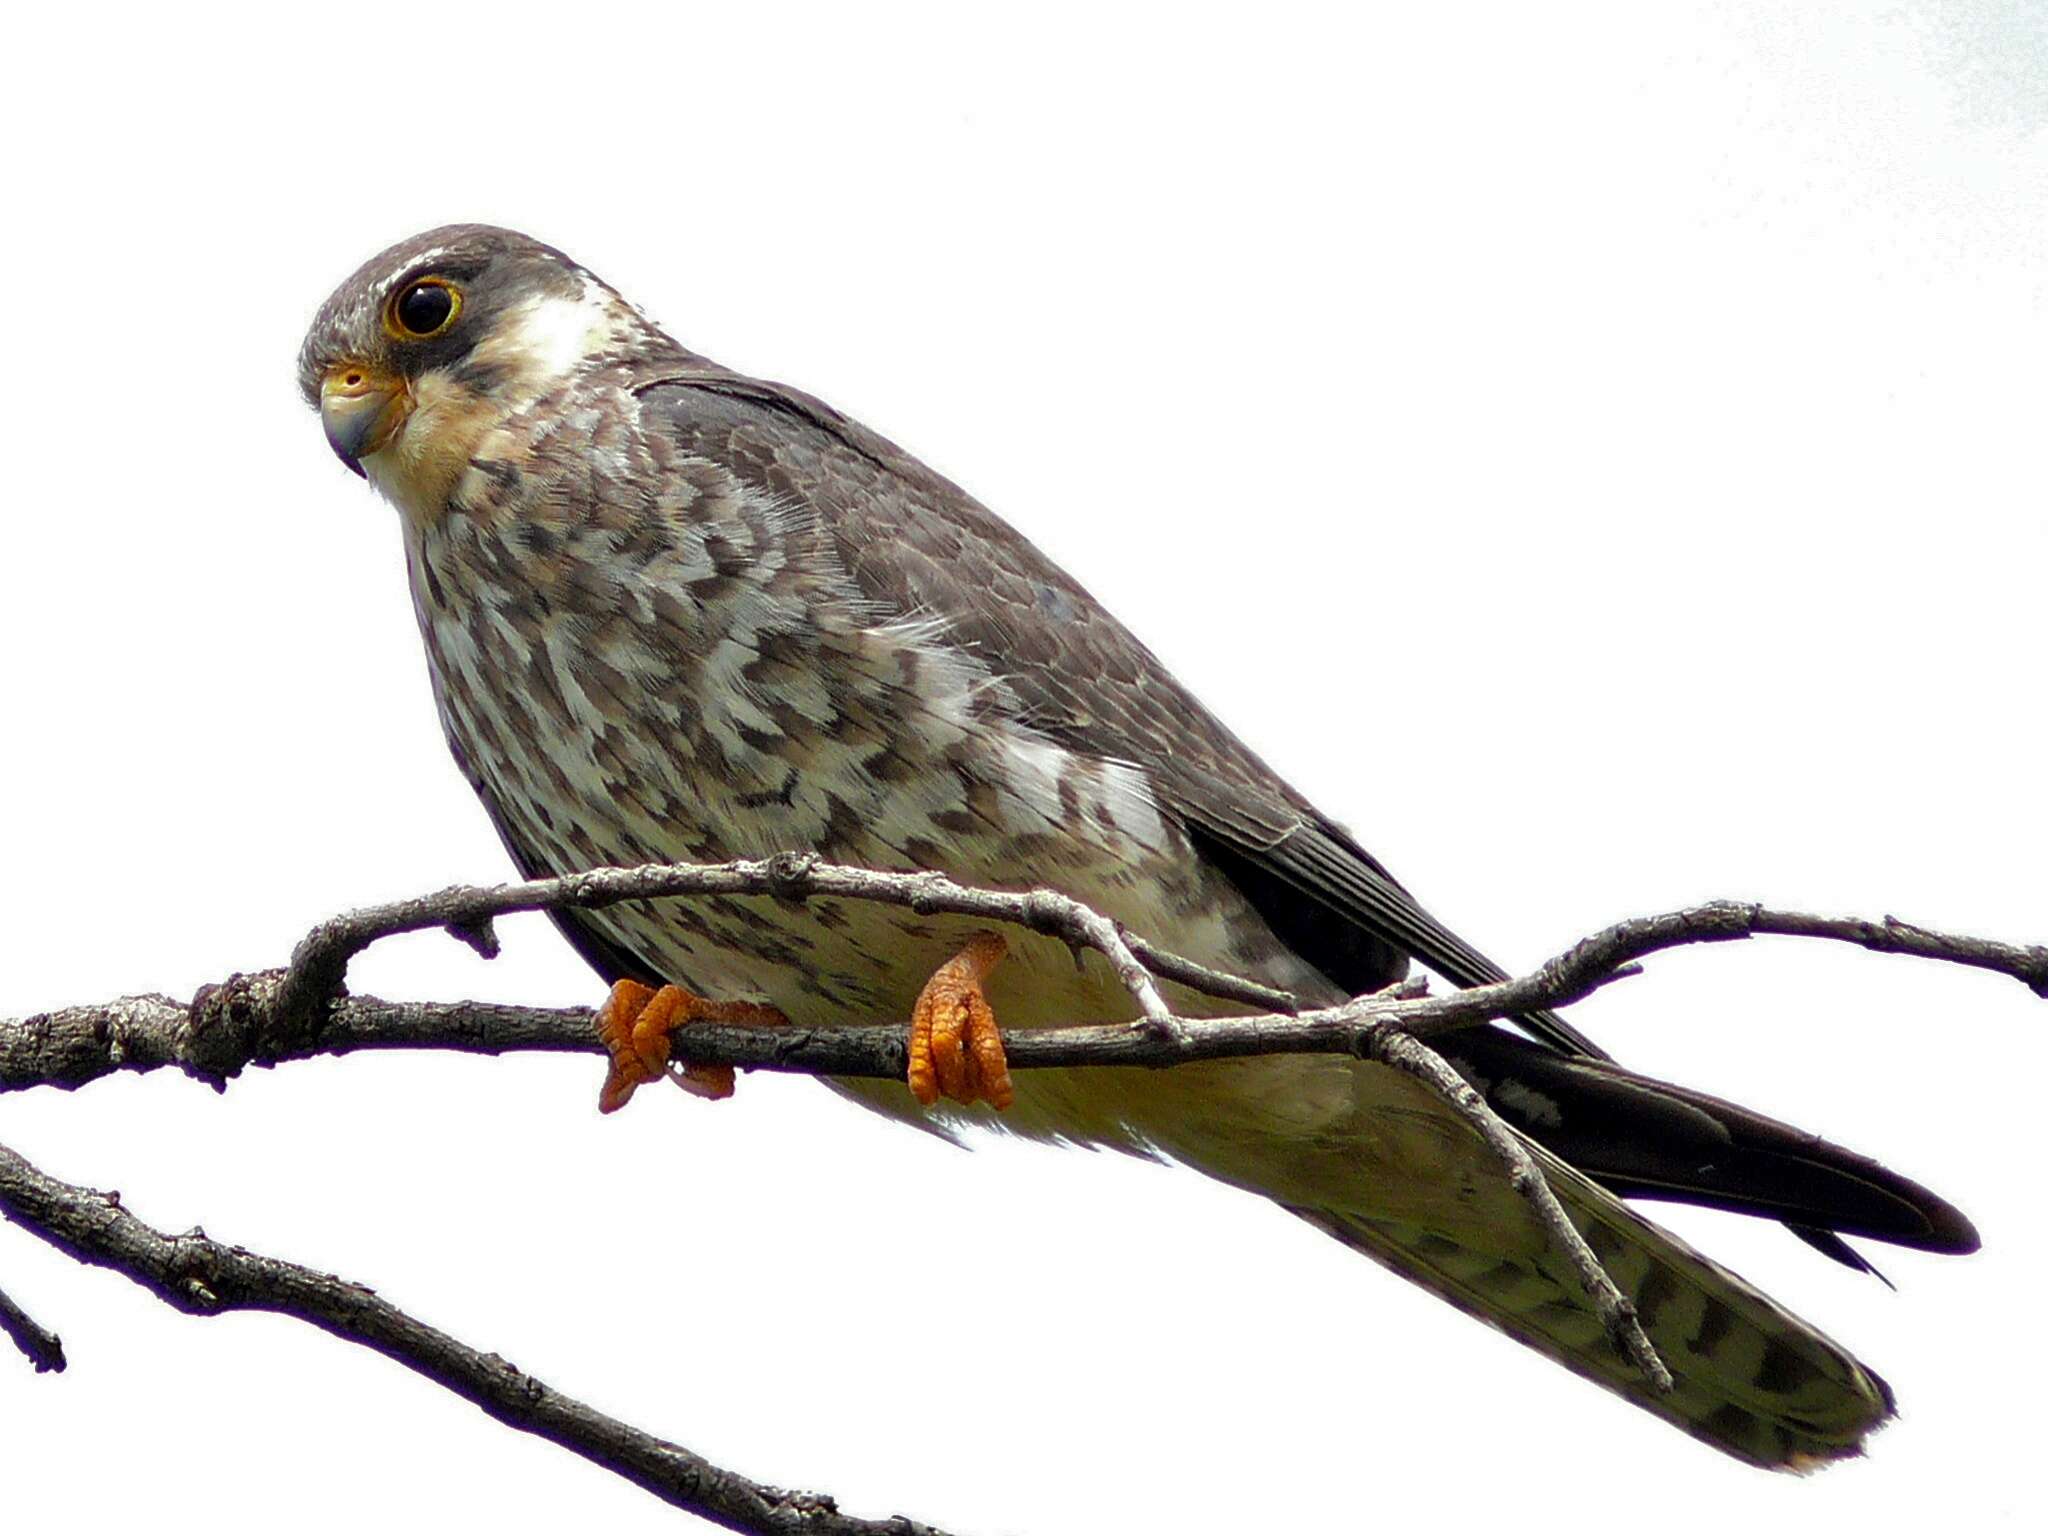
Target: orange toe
{"x":956,"y":1050}
{"x":636,"y":1024}
{"x":615,"y":1022}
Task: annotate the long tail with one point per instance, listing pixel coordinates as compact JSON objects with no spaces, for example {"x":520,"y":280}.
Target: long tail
{"x":1751,"y":1379}
{"x":1376,"y":1160}
{"x":1372,"y":1158}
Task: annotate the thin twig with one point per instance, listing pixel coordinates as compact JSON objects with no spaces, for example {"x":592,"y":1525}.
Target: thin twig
{"x":1168,"y":966}
{"x":320,"y":963}
{"x":1617,"y":1314}
{"x":197,"y":1275}
{"x":45,"y":1351}
{"x":1715,"y":921}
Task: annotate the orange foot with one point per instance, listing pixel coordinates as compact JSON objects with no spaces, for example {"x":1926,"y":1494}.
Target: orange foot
{"x":635,"y":1024}
{"x":955,"y":1048}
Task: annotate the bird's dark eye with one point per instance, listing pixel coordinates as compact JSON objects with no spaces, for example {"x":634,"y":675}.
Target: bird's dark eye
{"x":427,"y":308}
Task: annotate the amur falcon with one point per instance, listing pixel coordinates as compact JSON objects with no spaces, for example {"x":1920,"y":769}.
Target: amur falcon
{"x":674,"y":613}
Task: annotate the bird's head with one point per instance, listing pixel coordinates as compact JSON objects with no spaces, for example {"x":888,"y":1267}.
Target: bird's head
{"x":433,"y":341}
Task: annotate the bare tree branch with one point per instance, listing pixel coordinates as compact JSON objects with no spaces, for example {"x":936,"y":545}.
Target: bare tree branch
{"x":320,"y":963}
{"x":45,"y":1351}
{"x":262,"y":1018}
{"x":197,"y":1275}
{"x":304,"y":1011}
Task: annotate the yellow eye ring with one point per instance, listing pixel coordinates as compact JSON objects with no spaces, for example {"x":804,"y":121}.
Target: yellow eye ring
{"x":423,"y":309}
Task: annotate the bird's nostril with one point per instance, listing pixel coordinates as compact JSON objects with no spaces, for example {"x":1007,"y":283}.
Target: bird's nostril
{"x":352,"y":380}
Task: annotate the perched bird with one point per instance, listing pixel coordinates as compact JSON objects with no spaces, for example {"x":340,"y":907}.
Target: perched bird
{"x":675,"y":613}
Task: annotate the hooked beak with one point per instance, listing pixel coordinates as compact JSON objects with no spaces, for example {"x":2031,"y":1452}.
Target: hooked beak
{"x":360,"y":409}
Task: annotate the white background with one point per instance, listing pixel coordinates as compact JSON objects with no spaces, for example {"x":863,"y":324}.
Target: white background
{"x":1592,"y":449}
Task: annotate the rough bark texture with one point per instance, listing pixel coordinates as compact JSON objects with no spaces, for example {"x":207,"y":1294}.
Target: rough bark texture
{"x":43,"y":1349}
{"x":197,"y":1275}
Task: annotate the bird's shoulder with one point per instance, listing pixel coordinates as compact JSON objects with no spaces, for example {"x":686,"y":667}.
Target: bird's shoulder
{"x":921,"y":550}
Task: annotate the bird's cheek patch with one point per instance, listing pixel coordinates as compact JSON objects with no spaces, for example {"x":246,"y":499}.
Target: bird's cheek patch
{"x":424,"y":464}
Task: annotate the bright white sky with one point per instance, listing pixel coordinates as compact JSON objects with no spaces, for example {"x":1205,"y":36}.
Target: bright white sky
{"x":1594,"y":449}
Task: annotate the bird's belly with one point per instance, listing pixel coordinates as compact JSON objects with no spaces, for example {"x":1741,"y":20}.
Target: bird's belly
{"x":833,"y":960}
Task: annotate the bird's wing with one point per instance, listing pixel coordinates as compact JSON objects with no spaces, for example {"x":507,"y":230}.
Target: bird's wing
{"x":917,"y":546}
{"x":920,"y":546}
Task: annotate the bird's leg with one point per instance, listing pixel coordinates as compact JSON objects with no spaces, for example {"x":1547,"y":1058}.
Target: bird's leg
{"x":635,"y":1024}
{"x":955,"y":1048}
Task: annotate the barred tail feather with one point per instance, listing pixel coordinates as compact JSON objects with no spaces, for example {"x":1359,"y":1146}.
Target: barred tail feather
{"x":1752,"y":1380}
{"x":1377,"y":1160}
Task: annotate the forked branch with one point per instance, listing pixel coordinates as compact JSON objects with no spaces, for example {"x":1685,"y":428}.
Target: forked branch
{"x":304,"y":1010}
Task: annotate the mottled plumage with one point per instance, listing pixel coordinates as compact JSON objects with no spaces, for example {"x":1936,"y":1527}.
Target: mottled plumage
{"x":672,"y":612}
